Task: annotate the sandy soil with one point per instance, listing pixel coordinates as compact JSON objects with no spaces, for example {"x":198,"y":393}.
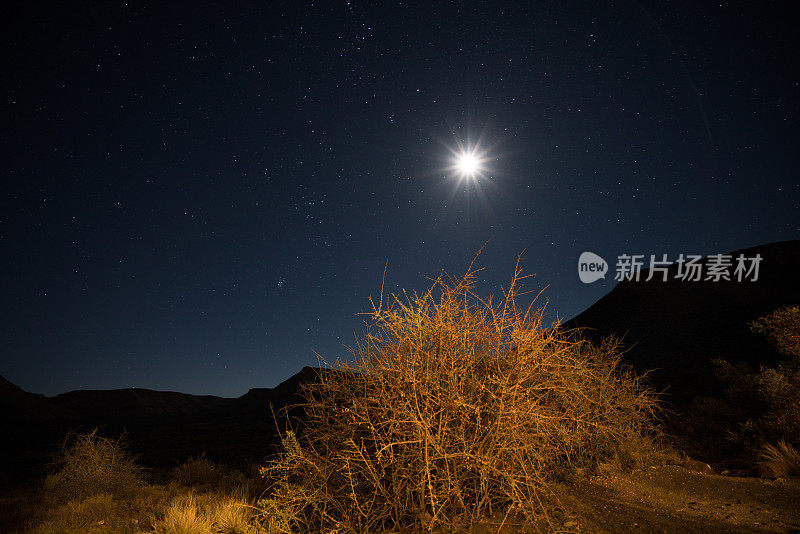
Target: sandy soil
{"x":674,"y":499}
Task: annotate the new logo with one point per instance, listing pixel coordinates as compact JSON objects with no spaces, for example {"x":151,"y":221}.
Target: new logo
{"x":591,"y":267}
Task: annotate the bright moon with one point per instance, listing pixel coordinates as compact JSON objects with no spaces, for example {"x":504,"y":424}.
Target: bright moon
{"x":467,"y":164}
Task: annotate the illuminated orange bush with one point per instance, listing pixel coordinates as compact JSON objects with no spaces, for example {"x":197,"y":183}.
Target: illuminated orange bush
{"x":457,"y":410}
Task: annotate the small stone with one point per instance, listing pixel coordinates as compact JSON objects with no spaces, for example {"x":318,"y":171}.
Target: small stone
{"x":694,"y":465}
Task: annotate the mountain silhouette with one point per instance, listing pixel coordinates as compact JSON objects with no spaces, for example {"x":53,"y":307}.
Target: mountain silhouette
{"x":163,"y":428}
{"x":676,"y":328}
{"x":19,"y":406}
{"x":135,"y":403}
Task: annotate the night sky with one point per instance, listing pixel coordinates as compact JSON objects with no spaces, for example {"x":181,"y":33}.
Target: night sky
{"x":200,"y":197}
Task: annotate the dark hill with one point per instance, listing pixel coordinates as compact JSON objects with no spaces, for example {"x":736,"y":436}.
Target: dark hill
{"x":19,"y":406}
{"x":31,"y":426}
{"x":135,"y":403}
{"x":163,"y":428}
{"x":676,"y":328}
{"x":285,"y":392}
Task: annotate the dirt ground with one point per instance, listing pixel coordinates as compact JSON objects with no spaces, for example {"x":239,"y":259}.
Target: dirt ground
{"x":674,"y":499}
{"x":667,"y":499}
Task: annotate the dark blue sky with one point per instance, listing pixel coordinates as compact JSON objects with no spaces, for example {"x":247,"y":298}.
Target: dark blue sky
{"x":197,"y":197}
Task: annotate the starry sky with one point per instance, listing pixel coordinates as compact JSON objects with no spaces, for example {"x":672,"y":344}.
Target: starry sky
{"x":202,"y":197}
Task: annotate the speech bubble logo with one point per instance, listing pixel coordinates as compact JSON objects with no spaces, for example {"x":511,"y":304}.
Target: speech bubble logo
{"x":591,"y":267}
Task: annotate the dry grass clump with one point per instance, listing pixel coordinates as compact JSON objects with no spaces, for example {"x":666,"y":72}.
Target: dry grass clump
{"x":458,"y":410}
{"x":779,"y":460}
{"x":169,"y":509}
{"x":207,"y":514}
{"x":183,"y":516}
{"x":131,"y":513}
{"x":97,"y":487}
{"x":90,"y":464}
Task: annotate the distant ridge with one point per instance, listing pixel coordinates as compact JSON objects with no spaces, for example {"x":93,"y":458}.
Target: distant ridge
{"x":287,"y":390}
{"x":163,"y":427}
{"x":119,"y":406}
{"x":676,"y":328}
{"x":19,"y":406}
{"x":137,"y":403}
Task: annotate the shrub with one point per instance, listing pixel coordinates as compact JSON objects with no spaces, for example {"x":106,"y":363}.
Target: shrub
{"x":202,"y":474}
{"x":89,"y":464}
{"x":778,"y":387}
{"x":196,"y":472}
{"x":457,"y":410}
{"x":782,"y":327}
{"x":95,"y":486}
{"x":755,"y":406}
